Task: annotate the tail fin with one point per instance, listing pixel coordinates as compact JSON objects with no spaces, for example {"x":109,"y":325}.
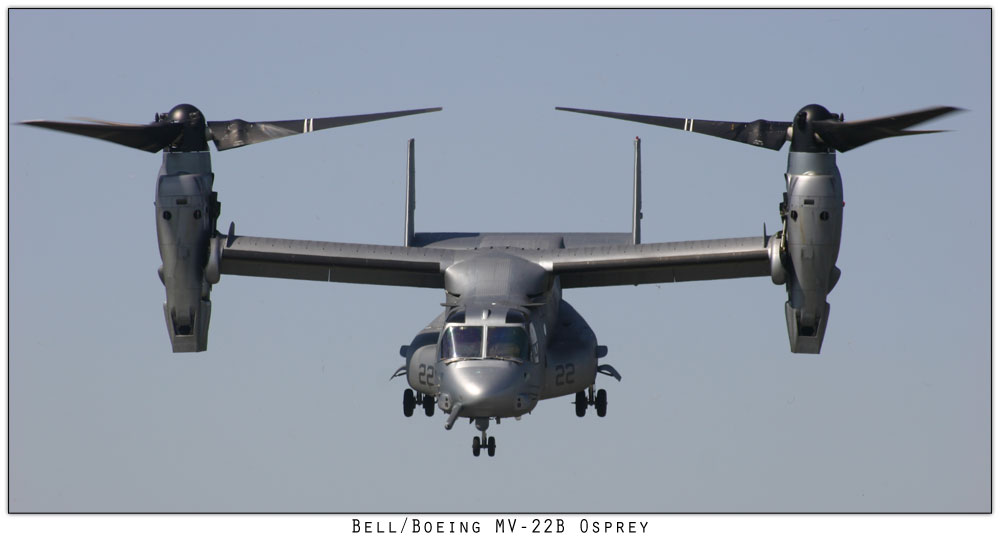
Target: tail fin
{"x":411,"y":196}
{"x":637,"y":194}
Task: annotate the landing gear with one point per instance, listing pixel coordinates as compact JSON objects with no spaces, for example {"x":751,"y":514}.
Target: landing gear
{"x":581,"y":404}
{"x":411,"y":399}
{"x":409,"y":402}
{"x":600,"y":402}
{"x":490,"y":443}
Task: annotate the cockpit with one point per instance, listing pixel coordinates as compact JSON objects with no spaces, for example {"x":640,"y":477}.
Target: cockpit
{"x":508,"y":343}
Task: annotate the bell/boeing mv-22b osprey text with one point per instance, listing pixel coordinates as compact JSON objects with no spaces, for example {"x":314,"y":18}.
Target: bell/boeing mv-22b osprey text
{"x":506,"y":338}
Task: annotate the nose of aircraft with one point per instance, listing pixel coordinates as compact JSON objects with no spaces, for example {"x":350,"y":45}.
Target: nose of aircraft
{"x":485,"y":388}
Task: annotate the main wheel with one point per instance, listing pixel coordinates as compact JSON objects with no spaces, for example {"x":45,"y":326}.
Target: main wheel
{"x":409,"y":402}
{"x":581,"y":404}
{"x":491,"y":446}
{"x":428,"y":405}
{"x":601,"y":403}
{"x":475,"y":446}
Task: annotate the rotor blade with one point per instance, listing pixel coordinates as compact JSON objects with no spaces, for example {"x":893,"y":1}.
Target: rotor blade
{"x":237,"y":133}
{"x":761,"y":133}
{"x":845,"y":136}
{"x":148,"y":137}
{"x":105,"y":122}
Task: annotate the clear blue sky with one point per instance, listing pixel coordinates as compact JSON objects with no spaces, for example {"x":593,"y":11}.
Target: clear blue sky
{"x":291,"y":409}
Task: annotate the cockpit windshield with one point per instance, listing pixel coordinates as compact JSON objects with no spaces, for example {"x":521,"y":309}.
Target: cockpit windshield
{"x":460,"y":341}
{"x":510,"y":343}
{"x":466,"y":342}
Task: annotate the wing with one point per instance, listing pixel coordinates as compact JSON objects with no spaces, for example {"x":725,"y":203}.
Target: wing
{"x":588,"y":266}
{"x":335,"y":261}
{"x":635,"y":264}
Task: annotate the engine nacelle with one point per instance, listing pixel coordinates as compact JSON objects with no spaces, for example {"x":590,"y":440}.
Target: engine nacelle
{"x":185,"y":215}
{"x":814,"y":219}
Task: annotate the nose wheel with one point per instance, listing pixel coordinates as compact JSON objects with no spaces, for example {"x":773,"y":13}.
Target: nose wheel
{"x":478,"y":444}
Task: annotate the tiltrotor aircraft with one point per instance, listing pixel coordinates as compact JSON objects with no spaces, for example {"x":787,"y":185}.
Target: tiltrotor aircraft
{"x":506,"y":338}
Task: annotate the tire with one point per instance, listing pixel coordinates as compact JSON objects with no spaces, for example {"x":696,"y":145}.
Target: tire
{"x":601,"y":403}
{"x":428,"y":405}
{"x":475,"y":446}
{"x":581,"y":404}
{"x":409,"y":402}
{"x":491,"y":446}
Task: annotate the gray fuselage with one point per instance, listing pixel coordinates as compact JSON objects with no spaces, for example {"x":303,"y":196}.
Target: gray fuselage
{"x":505,"y":341}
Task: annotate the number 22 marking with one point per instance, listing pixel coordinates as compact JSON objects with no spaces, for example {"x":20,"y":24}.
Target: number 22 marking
{"x":425,"y":375}
{"x":564,"y":373}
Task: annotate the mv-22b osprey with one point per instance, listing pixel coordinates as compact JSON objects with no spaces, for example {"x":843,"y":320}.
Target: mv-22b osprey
{"x":506,"y":338}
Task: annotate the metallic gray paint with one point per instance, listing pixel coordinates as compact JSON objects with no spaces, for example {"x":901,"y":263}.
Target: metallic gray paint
{"x":183,"y":229}
{"x":812,"y":238}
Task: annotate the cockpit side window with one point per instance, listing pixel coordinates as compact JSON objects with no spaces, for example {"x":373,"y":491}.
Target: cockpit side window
{"x":534,"y":344}
{"x":510,"y":343}
{"x":461,"y":341}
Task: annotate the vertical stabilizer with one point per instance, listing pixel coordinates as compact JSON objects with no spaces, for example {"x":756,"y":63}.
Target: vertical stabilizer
{"x":411,"y":197}
{"x":637,"y":194}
